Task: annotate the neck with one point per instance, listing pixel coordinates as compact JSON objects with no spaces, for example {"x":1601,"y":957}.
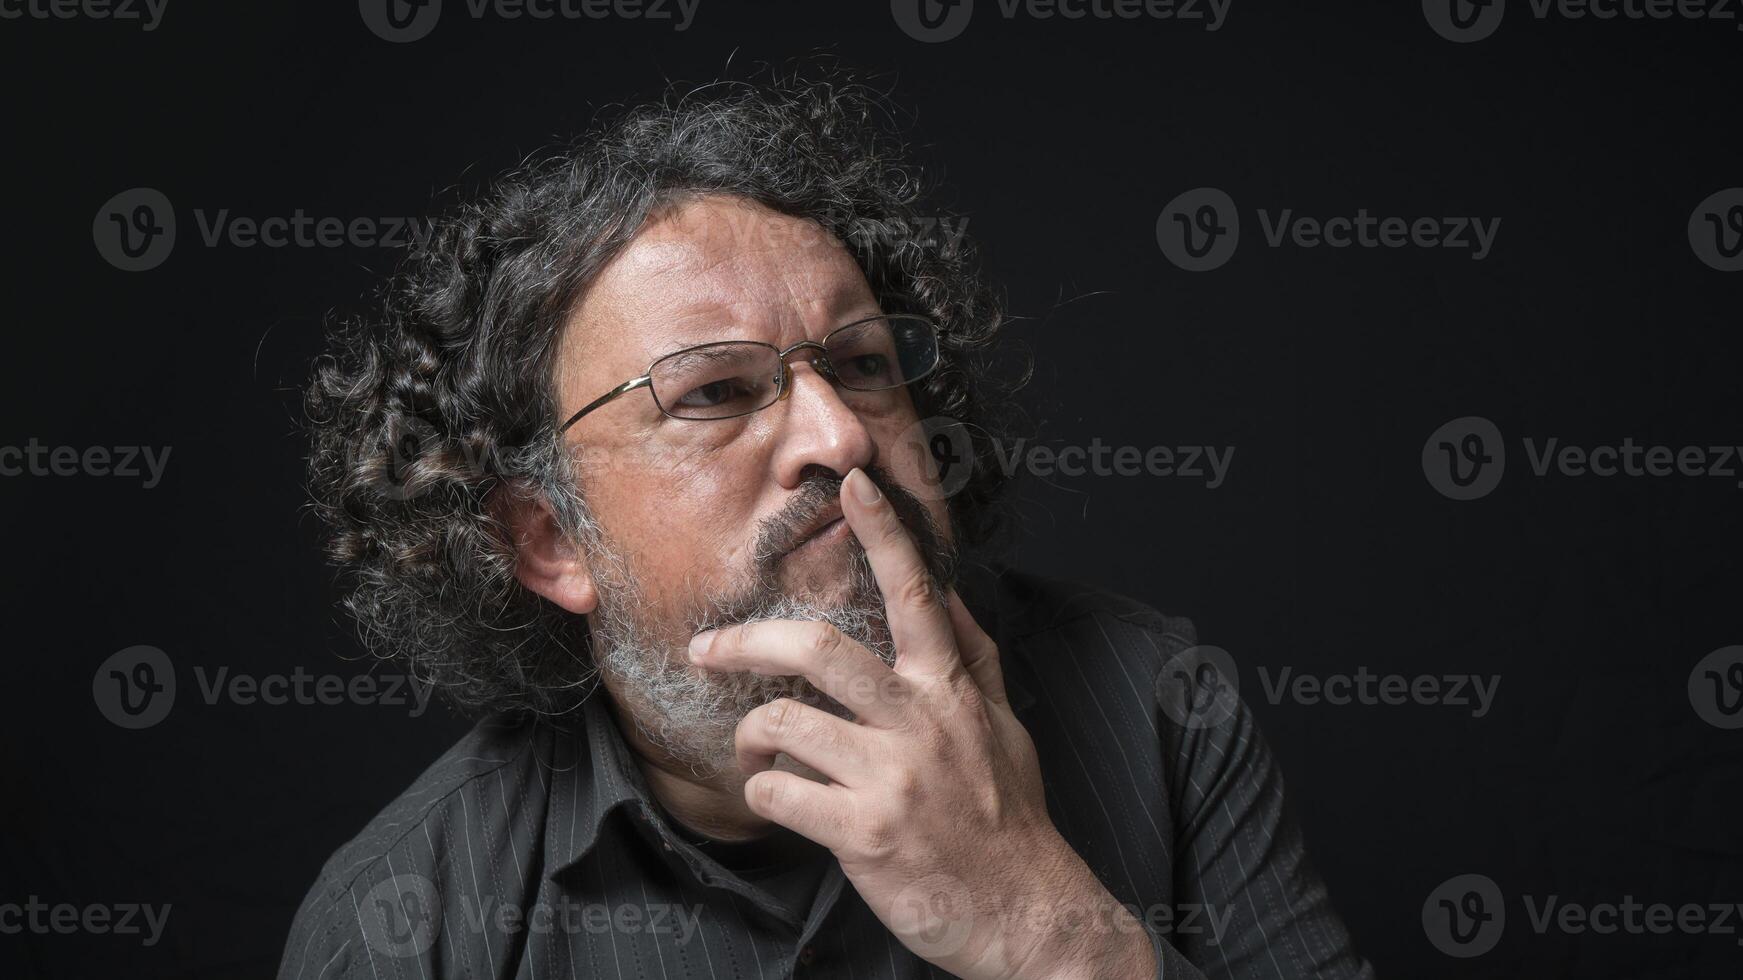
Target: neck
{"x":712,"y":806}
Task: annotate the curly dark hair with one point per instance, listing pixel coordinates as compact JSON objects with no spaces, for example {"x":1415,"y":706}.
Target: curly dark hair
{"x":420,"y":411}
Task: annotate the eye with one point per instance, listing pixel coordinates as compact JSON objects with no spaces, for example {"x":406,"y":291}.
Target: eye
{"x":866,"y":368}
{"x":714,"y":393}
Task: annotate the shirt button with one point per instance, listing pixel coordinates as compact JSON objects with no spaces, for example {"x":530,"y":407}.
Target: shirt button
{"x":807,"y":956}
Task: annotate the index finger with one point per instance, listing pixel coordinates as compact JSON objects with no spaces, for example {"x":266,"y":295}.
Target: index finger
{"x":919,"y":624}
{"x":816,"y":651}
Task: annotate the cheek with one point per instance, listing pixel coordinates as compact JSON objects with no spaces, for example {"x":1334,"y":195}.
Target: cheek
{"x":685,"y":523}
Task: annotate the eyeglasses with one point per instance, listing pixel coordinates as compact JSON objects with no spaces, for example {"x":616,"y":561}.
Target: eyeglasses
{"x":730,"y":378}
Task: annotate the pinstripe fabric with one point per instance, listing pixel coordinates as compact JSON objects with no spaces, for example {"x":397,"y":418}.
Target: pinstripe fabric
{"x":530,"y":851}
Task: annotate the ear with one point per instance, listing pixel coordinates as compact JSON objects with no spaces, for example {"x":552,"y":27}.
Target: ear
{"x":546,"y":560}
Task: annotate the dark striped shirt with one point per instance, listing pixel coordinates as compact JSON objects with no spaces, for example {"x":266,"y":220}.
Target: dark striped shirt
{"x":533,"y":850}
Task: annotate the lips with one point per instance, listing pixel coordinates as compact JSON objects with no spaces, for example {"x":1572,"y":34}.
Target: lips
{"x":822,"y":524}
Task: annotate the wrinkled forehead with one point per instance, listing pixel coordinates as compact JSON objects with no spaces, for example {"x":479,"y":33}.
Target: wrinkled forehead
{"x":714,"y":268}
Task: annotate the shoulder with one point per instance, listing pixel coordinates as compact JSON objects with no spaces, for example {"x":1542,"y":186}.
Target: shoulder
{"x":1099,"y":667}
{"x":405,"y":847}
{"x":1076,"y":639}
{"x":1034,"y":605}
{"x":491,"y":746}
{"x":1037,"y":620}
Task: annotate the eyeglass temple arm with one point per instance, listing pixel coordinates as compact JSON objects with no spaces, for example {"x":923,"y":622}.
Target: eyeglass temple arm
{"x":622,"y":389}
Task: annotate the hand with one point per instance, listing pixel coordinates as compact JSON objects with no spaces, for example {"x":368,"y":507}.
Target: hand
{"x":934,"y":804}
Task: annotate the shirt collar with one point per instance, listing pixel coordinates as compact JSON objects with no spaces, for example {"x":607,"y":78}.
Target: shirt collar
{"x":592,"y":774}
{"x":601,"y":775}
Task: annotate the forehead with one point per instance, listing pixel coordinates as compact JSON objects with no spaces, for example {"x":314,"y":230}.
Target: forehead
{"x":717,"y":268}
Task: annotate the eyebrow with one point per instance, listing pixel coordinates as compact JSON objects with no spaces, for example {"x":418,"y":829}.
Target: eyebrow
{"x":876,"y":308}
{"x":711,"y":350}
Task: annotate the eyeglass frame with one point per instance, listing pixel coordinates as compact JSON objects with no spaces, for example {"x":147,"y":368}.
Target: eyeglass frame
{"x":782,"y":386}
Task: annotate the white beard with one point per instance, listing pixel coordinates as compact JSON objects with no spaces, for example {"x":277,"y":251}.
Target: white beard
{"x":692,"y":714}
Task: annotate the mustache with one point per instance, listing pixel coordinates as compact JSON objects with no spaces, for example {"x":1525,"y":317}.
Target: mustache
{"x":780,"y":533}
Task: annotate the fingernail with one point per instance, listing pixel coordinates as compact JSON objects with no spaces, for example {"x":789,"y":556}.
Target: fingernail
{"x":699,"y":645}
{"x":864,"y":490}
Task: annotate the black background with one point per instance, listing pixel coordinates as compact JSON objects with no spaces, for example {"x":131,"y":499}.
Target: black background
{"x":1592,"y":777}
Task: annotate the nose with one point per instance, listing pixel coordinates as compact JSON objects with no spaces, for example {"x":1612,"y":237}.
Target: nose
{"x":818,"y":429}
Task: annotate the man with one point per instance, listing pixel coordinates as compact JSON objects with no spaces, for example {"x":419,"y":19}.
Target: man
{"x":634,"y":463}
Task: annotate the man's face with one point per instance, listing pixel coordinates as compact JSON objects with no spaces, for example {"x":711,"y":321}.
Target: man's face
{"x":698,"y":523}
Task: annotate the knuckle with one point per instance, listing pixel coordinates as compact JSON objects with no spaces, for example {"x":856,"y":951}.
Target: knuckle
{"x":962,"y":692}
{"x":781,"y":717}
{"x":769,"y":793}
{"x":894,"y":691}
{"x":908,"y":788}
{"x":823,"y":640}
{"x":876,"y":837}
{"x":730,"y":640}
{"x":916,"y":589}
